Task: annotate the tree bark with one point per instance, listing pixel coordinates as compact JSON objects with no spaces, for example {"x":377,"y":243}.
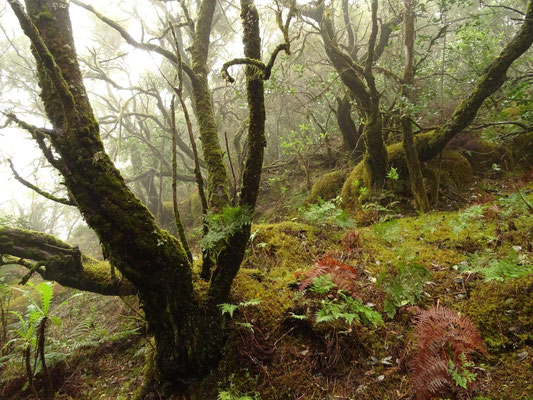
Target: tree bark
{"x":359,"y":79}
{"x":490,"y":82}
{"x":350,"y":134}
{"x":411,"y":154}
{"x":58,"y":261}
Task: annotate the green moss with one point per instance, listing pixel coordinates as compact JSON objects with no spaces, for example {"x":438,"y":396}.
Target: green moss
{"x":350,"y":188}
{"x":45,"y":13}
{"x":455,"y":172}
{"x":504,"y":312}
{"x":281,"y":248}
{"x":328,"y":186}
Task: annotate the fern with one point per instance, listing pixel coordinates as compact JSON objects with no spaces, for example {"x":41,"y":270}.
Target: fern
{"x":468,"y":218}
{"x":402,"y":285}
{"x":348,"y":309}
{"x":221,"y":226}
{"x":444,"y":338}
{"x":325,"y":213}
{"x":388,"y":231}
{"x":226,"y":308}
{"x":510,"y":267}
{"x":513,"y":205}
{"x":506,"y":268}
{"x":343,"y":276}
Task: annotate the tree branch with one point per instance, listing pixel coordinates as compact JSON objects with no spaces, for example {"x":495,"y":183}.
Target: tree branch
{"x":43,"y":193}
{"x":140,"y":45}
{"x":61,"y":262}
{"x":241,"y":61}
{"x":39,"y":135}
{"x":279,"y":48}
{"x":54,"y":72}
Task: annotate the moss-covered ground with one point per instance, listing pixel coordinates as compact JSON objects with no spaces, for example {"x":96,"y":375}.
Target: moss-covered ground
{"x":478,"y":260}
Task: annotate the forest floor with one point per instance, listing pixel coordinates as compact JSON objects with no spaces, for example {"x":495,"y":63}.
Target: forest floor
{"x":290,"y":343}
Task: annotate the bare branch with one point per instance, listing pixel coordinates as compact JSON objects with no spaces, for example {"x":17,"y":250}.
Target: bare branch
{"x":39,"y":135}
{"x":140,"y":45}
{"x":43,"y":193}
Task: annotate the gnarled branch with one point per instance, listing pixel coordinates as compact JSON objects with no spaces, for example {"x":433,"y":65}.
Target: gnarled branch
{"x":59,"y":261}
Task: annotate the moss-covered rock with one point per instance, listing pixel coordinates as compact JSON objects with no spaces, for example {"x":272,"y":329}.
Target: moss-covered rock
{"x":455,"y":172}
{"x":328,"y":186}
{"x":454,"y":169}
{"x":504,"y":312}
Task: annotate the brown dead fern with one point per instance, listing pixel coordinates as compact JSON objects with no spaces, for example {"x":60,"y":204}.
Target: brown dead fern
{"x":342,"y":275}
{"x":444,"y":338}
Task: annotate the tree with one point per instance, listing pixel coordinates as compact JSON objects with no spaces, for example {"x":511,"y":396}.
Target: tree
{"x":188,"y":327}
{"x":357,"y":74}
{"x":408,"y":78}
{"x":431,"y":143}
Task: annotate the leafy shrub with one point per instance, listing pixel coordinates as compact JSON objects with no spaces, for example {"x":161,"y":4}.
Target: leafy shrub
{"x":441,"y":365}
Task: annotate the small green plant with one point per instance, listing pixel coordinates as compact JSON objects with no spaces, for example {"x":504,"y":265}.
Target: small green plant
{"x":221,"y":226}
{"x":393,"y":174}
{"x":232,"y":392}
{"x":514,"y":205}
{"x":346,"y":308}
{"x":230,"y":395}
{"x":461,"y":373}
{"x":402,"y":284}
{"x":31,"y":330}
{"x":388,"y":231}
{"x":325,"y":213}
{"x":322,"y":284}
{"x":511,"y":266}
{"x":227,"y":308}
{"x":338,"y":306}
{"x":468,"y":218}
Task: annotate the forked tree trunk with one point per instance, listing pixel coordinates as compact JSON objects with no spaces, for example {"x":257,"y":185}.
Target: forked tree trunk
{"x":188,"y":329}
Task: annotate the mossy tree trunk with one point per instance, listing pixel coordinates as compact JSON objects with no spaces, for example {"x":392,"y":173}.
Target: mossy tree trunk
{"x":430,"y":144}
{"x":492,"y":79}
{"x":358,"y":77}
{"x":188,"y":330}
{"x":411,"y":155}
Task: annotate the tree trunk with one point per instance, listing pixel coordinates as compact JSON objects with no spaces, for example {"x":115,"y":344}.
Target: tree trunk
{"x":490,"y":81}
{"x":350,"y":134}
{"x":411,"y":155}
{"x":188,"y":328}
